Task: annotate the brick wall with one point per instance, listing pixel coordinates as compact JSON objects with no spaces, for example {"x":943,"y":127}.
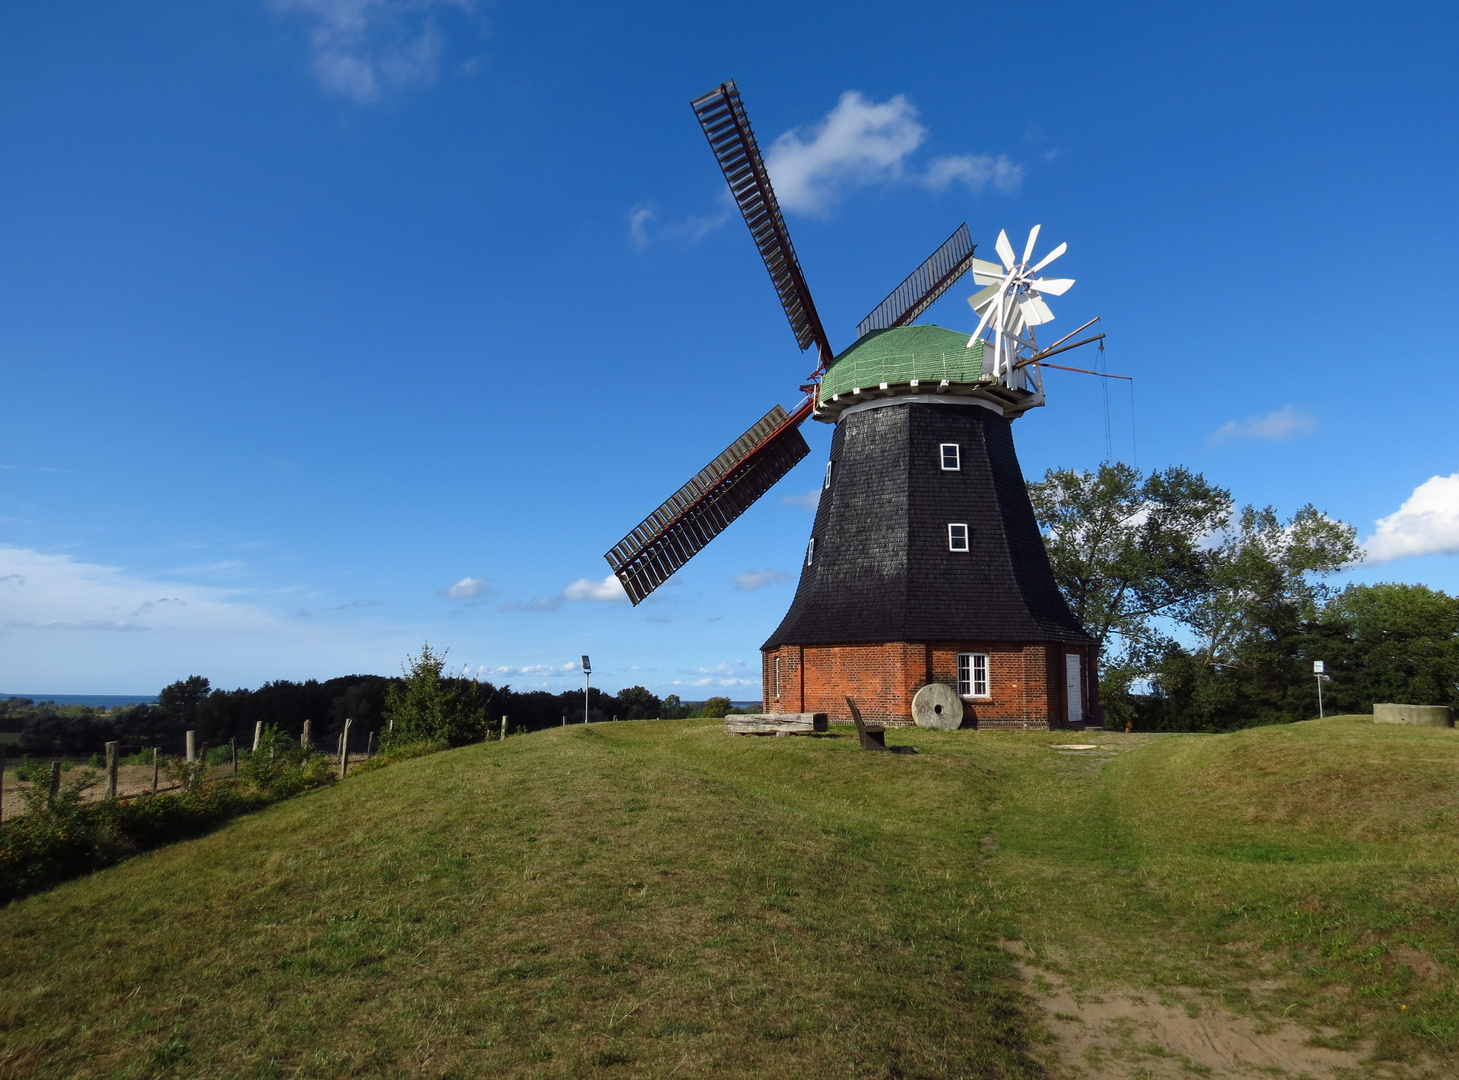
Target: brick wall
{"x":1026,"y":681}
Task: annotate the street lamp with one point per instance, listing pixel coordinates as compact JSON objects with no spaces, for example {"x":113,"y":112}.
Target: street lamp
{"x":587,"y":678}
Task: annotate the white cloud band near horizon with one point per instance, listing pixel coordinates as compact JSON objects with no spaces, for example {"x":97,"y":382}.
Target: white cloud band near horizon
{"x":607,"y":591}
{"x":1426,"y":524}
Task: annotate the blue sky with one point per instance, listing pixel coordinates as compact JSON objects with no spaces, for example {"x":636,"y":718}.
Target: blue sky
{"x":331,"y":326}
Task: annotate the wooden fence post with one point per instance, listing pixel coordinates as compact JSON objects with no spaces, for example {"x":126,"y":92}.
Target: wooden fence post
{"x":257,"y":735}
{"x":111,"y":770}
{"x":191,"y":748}
{"x":306,"y":738}
{"x":233,"y":749}
{"x":344,"y":748}
{"x":55,"y":780}
{"x":155,"y":769}
{"x":370,"y":746}
{"x":504,"y":727}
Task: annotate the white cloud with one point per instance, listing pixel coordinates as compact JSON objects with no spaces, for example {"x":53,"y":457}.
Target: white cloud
{"x":609,"y":591}
{"x":469,"y":588}
{"x":363,"y":47}
{"x":974,"y":171}
{"x":638,"y":221}
{"x":1426,"y":524}
{"x":758,"y":579}
{"x":1287,"y":421}
{"x":643,"y":229}
{"x":809,"y":501}
{"x":862,"y":142}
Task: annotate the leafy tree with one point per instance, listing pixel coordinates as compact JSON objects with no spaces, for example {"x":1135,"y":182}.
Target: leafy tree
{"x":1390,"y":643}
{"x":638,"y":703}
{"x":180,"y":700}
{"x":428,"y":705}
{"x":1259,"y":581}
{"x":716,"y":708}
{"x":673,"y":708}
{"x":1127,"y":549}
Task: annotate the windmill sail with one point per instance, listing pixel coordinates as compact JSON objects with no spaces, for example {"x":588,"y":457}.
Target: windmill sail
{"x":723,"y":118}
{"x":923,"y":285}
{"x":705,"y":506}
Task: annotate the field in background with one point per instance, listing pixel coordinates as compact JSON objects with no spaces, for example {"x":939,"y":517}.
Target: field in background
{"x":656,"y":899}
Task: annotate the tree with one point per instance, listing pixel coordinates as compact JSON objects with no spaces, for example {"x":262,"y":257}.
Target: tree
{"x":716,"y":708}
{"x":1260,"y":586}
{"x":180,"y":700}
{"x":639,"y":704}
{"x":1127,"y":549}
{"x":1391,"y":643}
{"x":427,"y":704}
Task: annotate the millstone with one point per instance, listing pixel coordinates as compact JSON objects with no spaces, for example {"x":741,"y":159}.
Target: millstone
{"x":937,"y":705}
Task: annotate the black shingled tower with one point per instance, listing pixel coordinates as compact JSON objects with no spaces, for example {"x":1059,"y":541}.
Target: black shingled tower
{"x":881,"y":568}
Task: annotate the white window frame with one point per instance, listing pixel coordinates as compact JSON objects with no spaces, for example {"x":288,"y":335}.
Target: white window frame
{"x":952,"y":536}
{"x":827,"y":483}
{"x":957,"y":457}
{"x":810,"y":552}
{"x":972,"y":675}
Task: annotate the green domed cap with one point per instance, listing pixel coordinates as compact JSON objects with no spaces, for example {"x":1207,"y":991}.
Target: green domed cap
{"x":898,"y":356}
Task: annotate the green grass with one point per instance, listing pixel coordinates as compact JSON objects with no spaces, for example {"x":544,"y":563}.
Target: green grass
{"x":655,"y":899}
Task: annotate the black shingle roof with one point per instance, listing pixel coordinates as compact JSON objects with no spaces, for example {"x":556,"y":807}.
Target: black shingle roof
{"x":882,"y":569}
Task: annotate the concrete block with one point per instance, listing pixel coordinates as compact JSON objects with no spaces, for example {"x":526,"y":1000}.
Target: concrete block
{"x":1422,"y":715}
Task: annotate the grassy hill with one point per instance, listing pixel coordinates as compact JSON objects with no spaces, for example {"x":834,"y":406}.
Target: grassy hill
{"x":656,"y":899}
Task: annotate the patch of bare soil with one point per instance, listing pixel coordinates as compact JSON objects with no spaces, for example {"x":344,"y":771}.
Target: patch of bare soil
{"x":1121,"y":1034}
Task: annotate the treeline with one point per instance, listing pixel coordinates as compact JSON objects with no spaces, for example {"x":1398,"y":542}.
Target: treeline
{"x":1209,"y":617}
{"x":370,"y":701}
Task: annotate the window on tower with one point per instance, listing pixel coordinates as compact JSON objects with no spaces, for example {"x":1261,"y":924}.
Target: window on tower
{"x":810,"y":551}
{"x":951,"y":457}
{"x":828,"y":476}
{"x":972,"y":674}
{"x":777,"y":678}
{"x":957,"y":537}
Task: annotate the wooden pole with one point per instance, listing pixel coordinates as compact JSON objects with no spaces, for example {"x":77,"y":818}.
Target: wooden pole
{"x":370,"y":746}
{"x":504,"y":727}
{"x":155,"y":769}
{"x":257,"y":735}
{"x":306,"y":739}
{"x":233,"y":749}
{"x":191,"y":748}
{"x":55,"y":780}
{"x":111,"y":770}
{"x":344,"y":749}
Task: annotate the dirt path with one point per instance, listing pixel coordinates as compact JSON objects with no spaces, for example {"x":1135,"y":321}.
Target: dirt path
{"x":1121,"y":1034}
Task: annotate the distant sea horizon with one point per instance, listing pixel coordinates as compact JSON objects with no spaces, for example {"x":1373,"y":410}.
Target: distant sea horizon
{"x":96,"y":701}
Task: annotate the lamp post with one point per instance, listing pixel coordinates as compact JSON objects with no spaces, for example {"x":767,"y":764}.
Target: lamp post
{"x":1319,"y":669}
{"x":587,"y":678}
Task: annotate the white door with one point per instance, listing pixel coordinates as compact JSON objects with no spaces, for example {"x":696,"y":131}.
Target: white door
{"x":1073,"y":688}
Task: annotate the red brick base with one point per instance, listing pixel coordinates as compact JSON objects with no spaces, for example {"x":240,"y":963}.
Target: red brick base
{"x":1026,"y":681}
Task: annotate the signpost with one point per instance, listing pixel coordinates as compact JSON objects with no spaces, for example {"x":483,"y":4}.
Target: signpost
{"x":1319,"y":669}
{"x":587,"y":677}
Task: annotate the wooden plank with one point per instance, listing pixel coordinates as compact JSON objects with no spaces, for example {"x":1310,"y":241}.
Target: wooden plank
{"x":776,"y":724}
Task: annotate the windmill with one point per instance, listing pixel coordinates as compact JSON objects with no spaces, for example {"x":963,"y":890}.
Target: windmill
{"x":922,"y":467}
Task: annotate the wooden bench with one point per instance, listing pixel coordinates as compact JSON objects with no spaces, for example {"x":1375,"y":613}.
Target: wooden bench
{"x":803,"y":723}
